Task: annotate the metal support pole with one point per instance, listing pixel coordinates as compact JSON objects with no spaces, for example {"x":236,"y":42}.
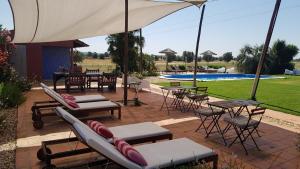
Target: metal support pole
{"x":197,"y":47}
{"x":265,"y":49}
{"x":126,"y":53}
{"x":141,"y":52}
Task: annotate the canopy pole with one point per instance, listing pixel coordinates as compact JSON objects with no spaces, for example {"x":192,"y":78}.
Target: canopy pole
{"x":197,"y":47}
{"x":141,"y":52}
{"x":265,"y":49}
{"x":126,"y":53}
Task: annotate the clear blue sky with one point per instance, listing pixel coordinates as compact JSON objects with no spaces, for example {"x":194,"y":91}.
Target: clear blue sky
{"x":228,"y":25}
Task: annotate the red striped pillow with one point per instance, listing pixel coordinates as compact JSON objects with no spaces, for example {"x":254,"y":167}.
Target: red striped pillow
{"x":100,"y":129}
{"x":71,"y":103}
{"x":129,"y":152}
{"x":67,"y":96}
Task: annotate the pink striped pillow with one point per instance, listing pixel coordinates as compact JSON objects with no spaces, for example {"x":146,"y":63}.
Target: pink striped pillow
{"x":71,"y":103}
{"x":100,"y":129}
{"x":129,"y":152}
{"x":67,"y":96}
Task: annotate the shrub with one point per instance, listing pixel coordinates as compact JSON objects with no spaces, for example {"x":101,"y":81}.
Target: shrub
{"x":10,"y":95}
{"x":215,"y":66}
{"x":147,"y":73}
{"x":181,"y":67}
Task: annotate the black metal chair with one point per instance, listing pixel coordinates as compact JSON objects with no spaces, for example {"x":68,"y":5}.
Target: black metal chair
{"x":244,"y":126}
{"x":197,"y":97}
{"x":211,"y":116}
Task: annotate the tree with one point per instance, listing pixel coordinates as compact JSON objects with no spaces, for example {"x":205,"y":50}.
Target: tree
{"x":77,"y":56}
{"x":281,"y":55}
{"x":116,"y":50}
{"x":278,"y":58}
{"x":208,"y":58}
{"x":188,"y":56}
{"x":89,"y":54}
{"x":227,"y":57}
{"x":95,"y":55}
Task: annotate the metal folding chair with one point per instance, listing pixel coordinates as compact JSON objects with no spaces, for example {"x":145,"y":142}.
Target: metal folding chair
{"x":175,"y":93}
{"x":245,"y":126}
{"x":197,"y":97}
{"x":212,"y":115}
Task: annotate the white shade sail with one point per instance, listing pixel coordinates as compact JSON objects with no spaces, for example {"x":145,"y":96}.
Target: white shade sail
{"x":59,"y":20}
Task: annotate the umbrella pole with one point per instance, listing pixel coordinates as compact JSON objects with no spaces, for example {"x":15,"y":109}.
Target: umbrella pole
{"x":126,"y":53}
{"x":265,"y":49}
{"x":197,"y":47}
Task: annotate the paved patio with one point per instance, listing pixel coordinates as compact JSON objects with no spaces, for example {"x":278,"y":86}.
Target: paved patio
{"x":278,"y":145}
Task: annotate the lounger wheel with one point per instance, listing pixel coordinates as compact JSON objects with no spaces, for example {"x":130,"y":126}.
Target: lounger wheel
{"x":36,"y":116}
{"x":40,"y":154}
{"x":38,"y":124}
{"x":51,"y":166}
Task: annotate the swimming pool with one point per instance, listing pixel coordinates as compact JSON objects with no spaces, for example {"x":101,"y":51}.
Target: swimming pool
{"x":215,"y":76}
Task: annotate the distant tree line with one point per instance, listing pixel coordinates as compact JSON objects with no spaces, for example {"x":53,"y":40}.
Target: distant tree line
{"x":79,"y":56}
{"x":188,"y":56}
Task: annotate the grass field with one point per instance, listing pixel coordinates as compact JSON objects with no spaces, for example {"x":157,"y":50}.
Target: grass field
{"x":277,"y":94}
{"x":105,"y":65}
{"x":161,"y":65}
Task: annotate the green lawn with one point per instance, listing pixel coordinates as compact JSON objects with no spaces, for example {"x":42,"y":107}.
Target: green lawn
{"x":276,"y":94}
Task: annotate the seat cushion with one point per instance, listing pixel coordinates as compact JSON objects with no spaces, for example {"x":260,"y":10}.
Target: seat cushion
{"x":209,"y":111}
{"x":240,"y":121}
{"x":129,"y":152}
{"x":97,"y":105}
{"x":100,"y":129}
{"x":89,"y":98}
{"x":173,"y":152}
{"x":138,"y":131}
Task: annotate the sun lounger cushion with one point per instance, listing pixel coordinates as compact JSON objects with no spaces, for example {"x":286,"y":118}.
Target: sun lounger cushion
{"x":129,"y":152}
{"x":89,"y":98}
{"x":125,"y":132}
{"x":100,"y":129}
{"x":95,"y":105}
{"x":84,"y":98}
{"x":173,"y":152}
{"x":138,"y":130}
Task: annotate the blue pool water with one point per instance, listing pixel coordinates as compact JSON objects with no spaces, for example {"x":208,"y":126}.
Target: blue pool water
{"x":212,"y":77}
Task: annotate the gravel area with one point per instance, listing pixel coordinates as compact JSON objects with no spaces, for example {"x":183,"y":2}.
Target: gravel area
{"x":8,"y":139}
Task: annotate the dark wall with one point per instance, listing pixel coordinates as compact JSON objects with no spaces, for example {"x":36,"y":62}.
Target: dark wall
{"x":53,"y":58}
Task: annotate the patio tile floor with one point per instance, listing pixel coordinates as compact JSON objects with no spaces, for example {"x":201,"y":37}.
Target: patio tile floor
{"x":277,"y":144}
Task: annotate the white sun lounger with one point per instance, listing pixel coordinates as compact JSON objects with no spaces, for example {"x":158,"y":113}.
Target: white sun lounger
{"x":132,"y":133}
{"x":83,"y":107}
{"x":165,"y":154}
{"x":78,"y":99}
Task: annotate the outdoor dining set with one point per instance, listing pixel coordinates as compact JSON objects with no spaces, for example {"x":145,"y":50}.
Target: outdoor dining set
{"x":82,"y":80}
{"x":242,"y":116}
